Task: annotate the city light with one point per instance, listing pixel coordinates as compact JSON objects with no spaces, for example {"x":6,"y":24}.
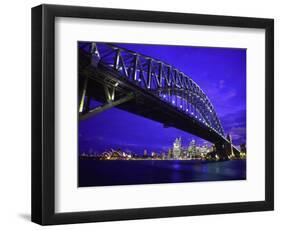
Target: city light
{"x":178,"y":151}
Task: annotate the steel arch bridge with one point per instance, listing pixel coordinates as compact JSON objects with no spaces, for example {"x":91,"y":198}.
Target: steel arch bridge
{"x":125,"y":76}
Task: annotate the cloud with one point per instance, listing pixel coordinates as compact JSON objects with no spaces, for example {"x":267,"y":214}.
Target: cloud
{"x":238,"y":133}
{"x":229,"y":95}
{"x":221,"y":84}
{"x":235,"y":124}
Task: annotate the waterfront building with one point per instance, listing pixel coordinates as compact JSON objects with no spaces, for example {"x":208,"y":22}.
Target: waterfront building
{"x":243,"y":148}
{"x":204,"y":150}
{"x":145,"y":155}
{"x":197,"y":152}
{"x":192,"y":149}
{"x":185,"y":153}
{"x":177,"y":148}
{"x":153,"y":155}
{"x":170,"y":154}
{"x":243,"y":151}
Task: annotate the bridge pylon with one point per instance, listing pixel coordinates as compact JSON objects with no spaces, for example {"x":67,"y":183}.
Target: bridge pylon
{"x":221,"y":151}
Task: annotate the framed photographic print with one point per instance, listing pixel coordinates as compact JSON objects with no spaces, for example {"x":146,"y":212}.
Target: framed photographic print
{"x":143,"y":114}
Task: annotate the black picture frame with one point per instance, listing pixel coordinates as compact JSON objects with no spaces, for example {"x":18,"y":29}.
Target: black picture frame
{"x":43,"y":110}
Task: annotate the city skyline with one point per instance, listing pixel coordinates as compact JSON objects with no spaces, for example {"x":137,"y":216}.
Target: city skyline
{"x":176,"y":151}
{"x":183,"y":145}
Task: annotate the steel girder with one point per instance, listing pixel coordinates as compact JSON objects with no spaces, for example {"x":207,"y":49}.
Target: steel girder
{"x":165,"y":81}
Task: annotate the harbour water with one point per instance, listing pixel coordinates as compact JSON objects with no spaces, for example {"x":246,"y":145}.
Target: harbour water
{"x":129,"y":172}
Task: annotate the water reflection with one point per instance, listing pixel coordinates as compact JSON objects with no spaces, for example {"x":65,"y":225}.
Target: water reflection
{"x":115,"y":172}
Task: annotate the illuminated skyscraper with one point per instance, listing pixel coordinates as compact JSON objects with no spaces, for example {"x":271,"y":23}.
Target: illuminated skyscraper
{"x":177,"y":148}
{"x":192,"y":149}
{"x":170,"y":154}
{"x":145,"y":153}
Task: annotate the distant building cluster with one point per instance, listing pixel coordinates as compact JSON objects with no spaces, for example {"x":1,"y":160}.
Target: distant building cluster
{"x":192,"y":151}
{"x":177,"y":152}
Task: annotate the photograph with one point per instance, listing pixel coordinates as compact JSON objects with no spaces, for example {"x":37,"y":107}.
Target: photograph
{"x":143,"y":114}
{"x":151,"y":114}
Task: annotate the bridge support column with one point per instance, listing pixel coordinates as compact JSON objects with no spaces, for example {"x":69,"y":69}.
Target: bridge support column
{"x":231,"y":151}
{"x":82,"y":95}
{"x":221,"y":150}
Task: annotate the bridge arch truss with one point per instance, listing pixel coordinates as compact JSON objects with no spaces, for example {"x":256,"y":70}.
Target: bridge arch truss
{"x":157,"y":77}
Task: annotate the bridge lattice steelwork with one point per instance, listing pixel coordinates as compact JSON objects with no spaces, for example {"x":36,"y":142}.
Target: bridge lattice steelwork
{"x":163,"y":80}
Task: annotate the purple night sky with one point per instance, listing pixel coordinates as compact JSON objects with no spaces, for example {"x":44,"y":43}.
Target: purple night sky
{"x":221,"y":74}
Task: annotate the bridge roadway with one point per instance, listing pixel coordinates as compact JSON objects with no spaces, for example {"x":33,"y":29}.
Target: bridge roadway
{"x":101,"y":79}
